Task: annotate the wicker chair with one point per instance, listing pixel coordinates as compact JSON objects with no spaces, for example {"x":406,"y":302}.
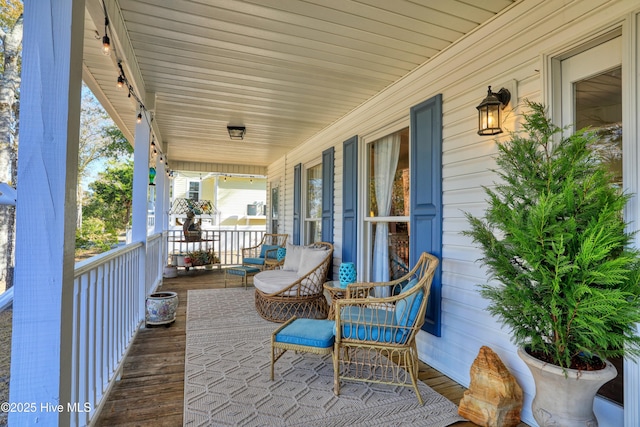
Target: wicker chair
{"x":297,"y":293}
{"x":375,"y":336}
{"x":264,"y":254}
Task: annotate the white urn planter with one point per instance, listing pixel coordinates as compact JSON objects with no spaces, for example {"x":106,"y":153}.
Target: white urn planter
{"x":170,"y":271}
{"x":565,"y":400}
{"x":161,"y":308}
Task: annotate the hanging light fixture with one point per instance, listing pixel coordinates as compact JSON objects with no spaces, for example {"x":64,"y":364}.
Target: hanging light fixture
{"x":106,"y":43}
{"x":490,"y":111}
{"x":120,"y":83}
{"x":139,"y":118}
{"x":236,"y":132}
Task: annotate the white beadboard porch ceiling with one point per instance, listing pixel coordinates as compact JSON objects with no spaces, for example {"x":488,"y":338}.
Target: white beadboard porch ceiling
{"x":284,"y":69}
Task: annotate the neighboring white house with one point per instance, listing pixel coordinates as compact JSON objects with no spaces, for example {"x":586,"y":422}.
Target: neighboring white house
{"x":581,"y":58}
{"x":238,"y":201}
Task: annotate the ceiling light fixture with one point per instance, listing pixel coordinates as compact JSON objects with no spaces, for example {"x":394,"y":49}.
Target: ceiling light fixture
{"x":236,"y":132}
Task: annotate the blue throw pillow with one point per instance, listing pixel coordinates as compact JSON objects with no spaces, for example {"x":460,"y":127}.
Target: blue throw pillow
{"x":407,"y":309}
{"x":272,"y":251}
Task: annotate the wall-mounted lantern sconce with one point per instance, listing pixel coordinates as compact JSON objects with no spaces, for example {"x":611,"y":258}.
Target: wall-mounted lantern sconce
{"x":236,"y":132}
{"x":490,"y":111}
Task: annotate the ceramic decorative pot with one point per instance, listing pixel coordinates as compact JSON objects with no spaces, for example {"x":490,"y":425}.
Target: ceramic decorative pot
{"x":565,"y":400}
{"x":161,"y":308}
{"x":170,"y":271}
{"x":347,"y":273}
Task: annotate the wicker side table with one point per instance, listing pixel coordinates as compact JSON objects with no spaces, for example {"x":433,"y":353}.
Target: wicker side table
{"x":336,"y":292}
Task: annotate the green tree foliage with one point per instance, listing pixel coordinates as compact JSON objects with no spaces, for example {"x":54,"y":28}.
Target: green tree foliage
{"x":94,"y":235}
{"x":11,"y":10}
{"x":117,"y":145}
{"x":111,"y":196}
{"x":554,"y":239}
{"x":100,"y":140}
{"x":11,"y":29}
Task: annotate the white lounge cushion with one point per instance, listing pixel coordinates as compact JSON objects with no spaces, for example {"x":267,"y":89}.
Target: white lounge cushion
{"x":292,"y":259}
{"x":271,"y":281}
{"x":310,"y":259}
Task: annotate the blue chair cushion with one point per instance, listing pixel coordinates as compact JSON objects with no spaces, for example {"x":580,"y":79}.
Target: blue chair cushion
{"x":407,"y":308}
{"x":273,"y":249}
{"x":370,"y":324}
{"x":281,"y":254}
{"x":242,"y":270}
{"x":255,"y":261}
{"x":308,"y":332}
{"x":409,"y":285}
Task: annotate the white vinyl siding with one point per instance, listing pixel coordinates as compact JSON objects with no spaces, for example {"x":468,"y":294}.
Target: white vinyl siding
{"x":495,"y":54}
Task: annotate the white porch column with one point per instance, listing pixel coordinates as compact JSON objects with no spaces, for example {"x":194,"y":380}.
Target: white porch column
{"x":161,"y":202}
{"x":46,"y":211}
{"x":140,"y":179}
{"x":139,"y":196}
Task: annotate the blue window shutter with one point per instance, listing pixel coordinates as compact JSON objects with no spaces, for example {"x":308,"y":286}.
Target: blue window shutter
{"x":350,"y":199}
{"x":327,"y":194}
{"x":426,"y":197}
{"x":297,"y":207}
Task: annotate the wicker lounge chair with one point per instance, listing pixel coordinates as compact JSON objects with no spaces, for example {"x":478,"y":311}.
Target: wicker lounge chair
{"x":375,"y":337}
{"x":295,"y":288}
{"x":265,"y":254}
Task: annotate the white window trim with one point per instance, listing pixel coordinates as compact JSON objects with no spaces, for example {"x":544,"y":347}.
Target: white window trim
{"x":629,"y":30}
{"x":188,"y":192}
{"x":303,"y":198}
{"x":364,"y":220}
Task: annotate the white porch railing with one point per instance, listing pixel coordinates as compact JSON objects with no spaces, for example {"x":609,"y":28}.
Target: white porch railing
{"x":108,"y":307}
{"x":227,"y":244}
{"x":108,"y":310}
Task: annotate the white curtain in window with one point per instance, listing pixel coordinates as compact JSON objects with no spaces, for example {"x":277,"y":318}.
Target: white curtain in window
{"x":385,"y":161}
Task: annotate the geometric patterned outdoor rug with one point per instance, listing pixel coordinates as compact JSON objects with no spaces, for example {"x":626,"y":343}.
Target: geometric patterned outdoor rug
{"x":227,"y":383}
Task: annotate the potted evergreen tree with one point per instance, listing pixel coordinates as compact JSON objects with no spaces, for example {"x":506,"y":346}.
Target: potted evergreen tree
{"x":567,"y":283}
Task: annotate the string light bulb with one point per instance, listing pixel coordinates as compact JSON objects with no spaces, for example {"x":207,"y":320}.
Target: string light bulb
{"x":106,"y":43}
{"x":120,"y":83}
{"x":139,"y":119}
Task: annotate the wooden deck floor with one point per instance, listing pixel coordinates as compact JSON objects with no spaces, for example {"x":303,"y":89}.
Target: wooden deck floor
{"x":151,"y":389}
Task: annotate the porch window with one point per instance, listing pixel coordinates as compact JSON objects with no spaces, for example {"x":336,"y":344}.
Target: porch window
{"x":193,"y":191}
{"x":388,"y":205}
{"x":275,"y":200}
{"x":313,"y":205}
